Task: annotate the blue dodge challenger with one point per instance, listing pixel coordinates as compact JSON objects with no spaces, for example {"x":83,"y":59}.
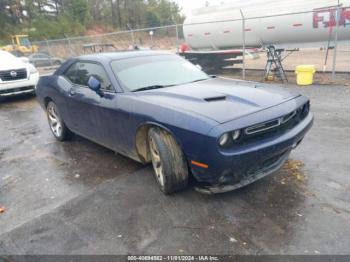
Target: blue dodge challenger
{"x":157,"y":107}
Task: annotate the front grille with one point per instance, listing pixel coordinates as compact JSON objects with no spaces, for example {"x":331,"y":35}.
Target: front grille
{"x":274,"y":127}
{"x":263,"y":127}
{"x":272,"y":124}
{"x":13,"y":75}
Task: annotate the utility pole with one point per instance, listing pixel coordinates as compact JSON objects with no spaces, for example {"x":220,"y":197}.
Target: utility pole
{"x":337,"y":17}
{"x":243,"y":38}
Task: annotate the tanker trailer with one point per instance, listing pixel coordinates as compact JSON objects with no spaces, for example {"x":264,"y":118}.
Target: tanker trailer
{"x":215,"y":33}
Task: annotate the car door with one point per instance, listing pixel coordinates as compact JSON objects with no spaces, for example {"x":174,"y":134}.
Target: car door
{"x":90,"y":113}
{"x":46,"y":60}
{"x":41,"y":60}
{"x":35,"y":59}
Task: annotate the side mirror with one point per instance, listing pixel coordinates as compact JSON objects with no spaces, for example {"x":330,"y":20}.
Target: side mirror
{"x":95,"y":85}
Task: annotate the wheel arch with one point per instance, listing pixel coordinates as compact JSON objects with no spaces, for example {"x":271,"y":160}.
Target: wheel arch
{"x":141,"y":139}
{"x":47,"y":100}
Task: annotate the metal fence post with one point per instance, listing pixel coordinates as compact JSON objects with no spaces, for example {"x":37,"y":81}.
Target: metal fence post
{"x":133,"y":38}
{"x":48,"y":50}
{"x":70,"y":46}
{"x":335,"y":41}
{"x":243,"y":38}
{"x":177,"y":38}
{"x":132,"y":35}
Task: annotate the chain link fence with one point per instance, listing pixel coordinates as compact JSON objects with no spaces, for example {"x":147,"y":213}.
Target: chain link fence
{"x":158,"y":38}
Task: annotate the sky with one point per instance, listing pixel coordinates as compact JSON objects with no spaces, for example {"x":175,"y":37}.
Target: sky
{"x":188,"y":5}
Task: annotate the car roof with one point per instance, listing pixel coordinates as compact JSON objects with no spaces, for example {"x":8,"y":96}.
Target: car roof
{"x":106,"y":57}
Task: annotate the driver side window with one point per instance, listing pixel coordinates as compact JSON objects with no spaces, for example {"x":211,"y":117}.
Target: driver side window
{"x":80,"y":72}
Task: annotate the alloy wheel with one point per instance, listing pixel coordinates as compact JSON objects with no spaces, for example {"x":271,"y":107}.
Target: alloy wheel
{"x":156,"y":161}
{"x":54,"y":121}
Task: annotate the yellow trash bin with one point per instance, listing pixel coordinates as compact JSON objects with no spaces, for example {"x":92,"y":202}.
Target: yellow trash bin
{"x":305,"y":74}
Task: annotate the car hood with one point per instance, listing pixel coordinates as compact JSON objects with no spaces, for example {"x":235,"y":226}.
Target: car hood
{"x":218,"y":99}
{"x":12,"y":63}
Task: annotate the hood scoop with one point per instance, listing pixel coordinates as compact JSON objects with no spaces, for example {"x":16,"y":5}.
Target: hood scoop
{"x":215,"y":98}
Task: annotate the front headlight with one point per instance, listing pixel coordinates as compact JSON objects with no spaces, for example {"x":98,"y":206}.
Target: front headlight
{"x":224,"y":140}
{"x":229,"y":138}
{"x":32,"y":69}
{"x":235,"y":135}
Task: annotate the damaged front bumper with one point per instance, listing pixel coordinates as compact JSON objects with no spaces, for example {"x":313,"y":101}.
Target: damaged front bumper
{"x":268,"y":167}
{"x":244,"y":166}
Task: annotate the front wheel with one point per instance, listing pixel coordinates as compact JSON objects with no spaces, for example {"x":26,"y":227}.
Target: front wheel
{"x":168,"y":161}
{"x":57,"y":126}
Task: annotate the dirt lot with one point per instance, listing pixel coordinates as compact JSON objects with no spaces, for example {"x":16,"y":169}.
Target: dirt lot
{"x":80,"y":198}
{"x":308,"y":56}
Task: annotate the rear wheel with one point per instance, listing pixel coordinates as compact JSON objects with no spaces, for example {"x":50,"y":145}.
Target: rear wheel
{"x":168,"y":161}
{"x":57,"y":126}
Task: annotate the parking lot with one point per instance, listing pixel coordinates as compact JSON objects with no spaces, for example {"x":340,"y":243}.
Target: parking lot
{"x":80,"y":198}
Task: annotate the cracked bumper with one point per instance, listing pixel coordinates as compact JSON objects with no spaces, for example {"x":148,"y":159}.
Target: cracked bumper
{"x":245,"y":166}
{"x":248,"y":177}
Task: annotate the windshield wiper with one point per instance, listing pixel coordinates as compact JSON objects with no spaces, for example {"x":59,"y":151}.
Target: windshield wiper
{"x":164,"y":86}
{"x":151,"y":87}
{"x":198,"y":80}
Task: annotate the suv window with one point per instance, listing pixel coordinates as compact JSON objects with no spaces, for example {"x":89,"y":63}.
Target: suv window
{"x":80,"y":72}
{"x":40,"y":56}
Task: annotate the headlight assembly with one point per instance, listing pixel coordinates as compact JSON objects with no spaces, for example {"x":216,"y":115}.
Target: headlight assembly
{"x":224,"y":140}
{"x":235,"y":135}
{"x":229,"y":138}
{"x":32,"y":69}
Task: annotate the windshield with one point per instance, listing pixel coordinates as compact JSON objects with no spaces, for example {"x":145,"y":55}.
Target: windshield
{"x":161,"y":70}
{"x":24,"y":41}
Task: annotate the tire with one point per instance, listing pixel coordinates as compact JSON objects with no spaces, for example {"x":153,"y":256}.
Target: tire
{"x":56,"y":124}
{"x":168,"y":160}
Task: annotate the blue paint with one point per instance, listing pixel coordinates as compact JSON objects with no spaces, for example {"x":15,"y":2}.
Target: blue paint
{"x":196,"y":114}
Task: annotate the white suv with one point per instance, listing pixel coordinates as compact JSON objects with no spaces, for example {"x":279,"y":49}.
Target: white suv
{"x":16,"y":76}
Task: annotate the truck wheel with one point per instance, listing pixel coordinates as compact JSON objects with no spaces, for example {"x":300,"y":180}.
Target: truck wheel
{"x":168,"y":161}
{"x":57,"y":126}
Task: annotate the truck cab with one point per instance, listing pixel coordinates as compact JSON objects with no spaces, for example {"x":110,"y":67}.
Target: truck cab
{"x":20,"y":45}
